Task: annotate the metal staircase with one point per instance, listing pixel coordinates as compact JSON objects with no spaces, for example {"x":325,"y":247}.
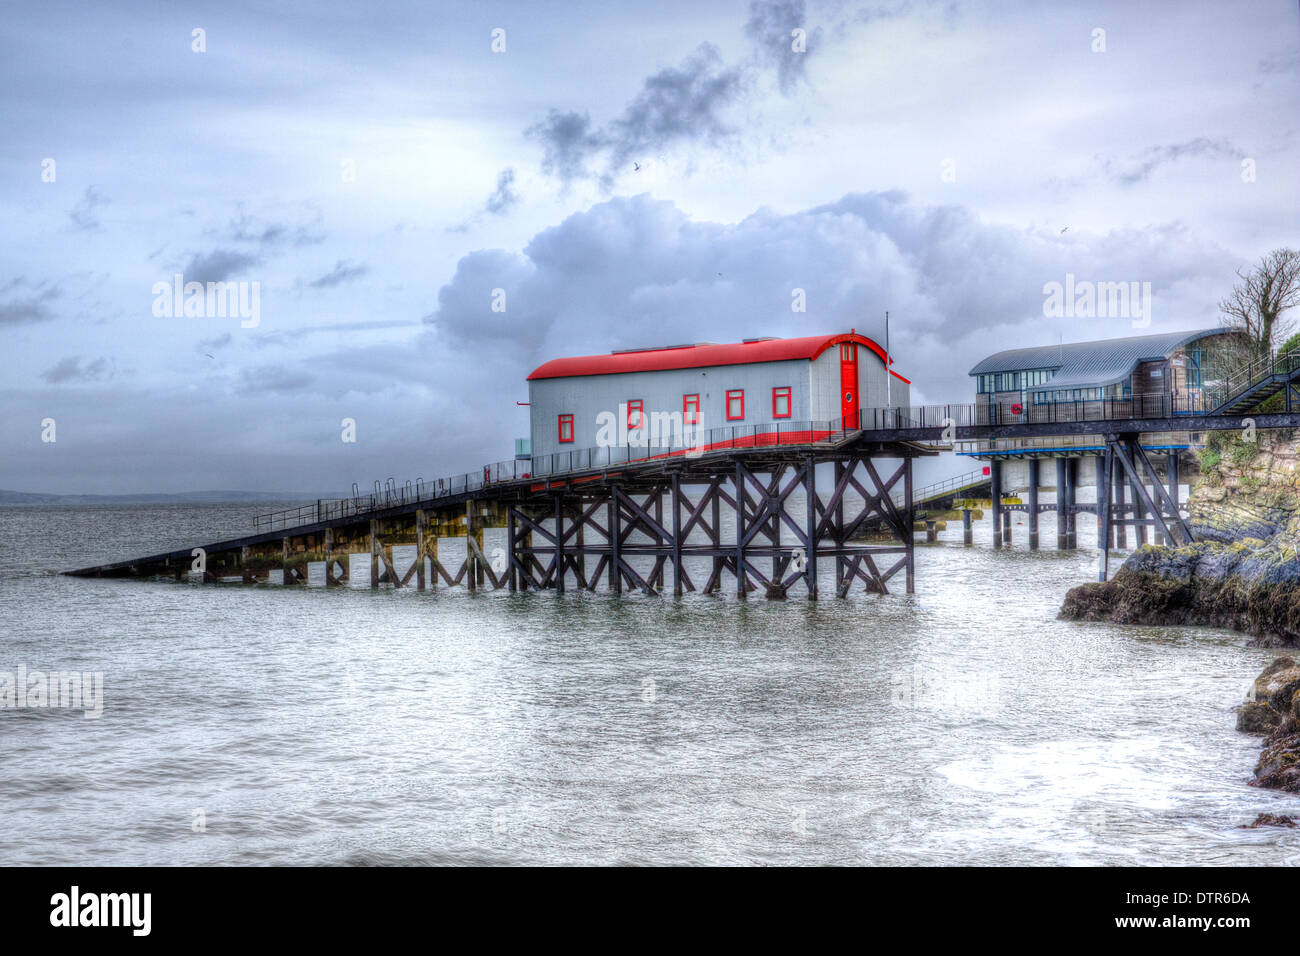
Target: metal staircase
{"x":1255,"y":382}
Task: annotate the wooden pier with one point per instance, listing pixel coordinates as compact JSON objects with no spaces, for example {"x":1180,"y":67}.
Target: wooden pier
{"x":740,"y":515}
{"x":606,"y":515}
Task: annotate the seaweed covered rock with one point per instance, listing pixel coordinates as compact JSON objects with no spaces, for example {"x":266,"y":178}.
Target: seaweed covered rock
{"x":1274,"y":699}
{"x":1277,"y":685}
{"x":1250,"y":585}
{"x":1259,"y":718}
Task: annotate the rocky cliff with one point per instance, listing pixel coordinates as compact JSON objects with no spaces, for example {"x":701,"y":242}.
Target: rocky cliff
{"x":1243,"y":572}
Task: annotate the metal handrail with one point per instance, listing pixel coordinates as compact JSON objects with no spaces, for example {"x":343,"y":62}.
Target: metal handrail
{"x":731,"y":437}
{"x":1251,"y":373}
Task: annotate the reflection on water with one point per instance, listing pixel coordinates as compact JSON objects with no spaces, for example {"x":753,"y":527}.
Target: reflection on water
{"x":964,"y":724}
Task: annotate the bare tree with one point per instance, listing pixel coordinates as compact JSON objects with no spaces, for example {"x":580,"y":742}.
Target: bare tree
{"x":1259,"y":300}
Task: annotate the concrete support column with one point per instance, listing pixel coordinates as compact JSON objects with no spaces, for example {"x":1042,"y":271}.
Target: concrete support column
{"x":995,"y":482}
{"x":1072,"y":498}
{"x":967,"y":532}
{"x":1100,"y":478}
{"x":1062,"y":495}
{"x":1033,"y":504}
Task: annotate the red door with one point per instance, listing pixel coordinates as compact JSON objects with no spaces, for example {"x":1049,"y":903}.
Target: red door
{"x":849,"y":384}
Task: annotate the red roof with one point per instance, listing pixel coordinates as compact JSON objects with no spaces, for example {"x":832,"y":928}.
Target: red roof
{"x":704,"y":356}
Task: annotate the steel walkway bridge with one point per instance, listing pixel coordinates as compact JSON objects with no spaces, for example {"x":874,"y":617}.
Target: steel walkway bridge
{"x":729,"y":507}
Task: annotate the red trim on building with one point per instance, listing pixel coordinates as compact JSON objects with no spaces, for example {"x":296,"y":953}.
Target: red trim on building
{"x":704,"y":356}
{"x":782,"y":392}
{"x":564,"y":424}
{"x":635,"y":412}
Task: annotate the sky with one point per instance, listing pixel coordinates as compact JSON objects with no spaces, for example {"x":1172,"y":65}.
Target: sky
{"x":628,"y":175}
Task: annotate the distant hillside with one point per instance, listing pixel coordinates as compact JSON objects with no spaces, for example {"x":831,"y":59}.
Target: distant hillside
{"x":184,"y":497}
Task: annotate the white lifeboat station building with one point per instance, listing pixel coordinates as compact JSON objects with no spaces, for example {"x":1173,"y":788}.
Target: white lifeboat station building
{"x":815,"y":384}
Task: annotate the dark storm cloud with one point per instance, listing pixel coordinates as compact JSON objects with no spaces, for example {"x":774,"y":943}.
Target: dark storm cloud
{"x":70,"y":369}
{"x":83,"y":214}
{"x":682,"y":104}
{"x":279,"y":379}
{"x":1280,"y":63}
{"x":218,"y":265}
{"x":568,"y":142}
{"x":1138,"y":169}
{"x":770,"y":27}
{"x":269,"y":233}
{"x":504,"y":198}
{"x":215,"y":343}
{"x":32,"y":307}
{"x":341,"y":273}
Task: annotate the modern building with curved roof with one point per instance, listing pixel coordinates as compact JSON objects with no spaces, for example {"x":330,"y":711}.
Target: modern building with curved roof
{"x":1174,"y":364}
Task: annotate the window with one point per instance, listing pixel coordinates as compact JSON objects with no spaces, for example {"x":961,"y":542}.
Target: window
{"x":690,"y":409}
{"x":848,"y":352}
{"x":735,"y":404}
{"x":635,"y":413}
{"x":566,"y":428}
{"x":781,"y":402}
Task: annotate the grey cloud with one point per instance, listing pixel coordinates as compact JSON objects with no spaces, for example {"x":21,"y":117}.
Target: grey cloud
{"x":70,"y":369}
{"x":280,"y":379}
{"x":29,"y":308}
{"x":568,"y":142}
{"x":504,"y":198}
{"x":1139,"y":168}
{"x":341,"y":273}
{"x":635,"y":272}
{"x":270,"y":339}
{"x":217,"y":342}
{"x":1280,"y":62}
{"x":682,"y":104}
{"x":218,"y":265}
{"x":770,"y":27}
{"x":83,"y":214}
{"x":270,"y":233}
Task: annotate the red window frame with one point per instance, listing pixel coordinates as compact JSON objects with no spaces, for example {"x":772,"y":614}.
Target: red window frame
{"x":733,"y":393}
{"x":782,"y":392}
{"x":691,"y":409}
{"x":848,"y":352}
{"x":635,"y":413}
{"x":563,"y":425}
